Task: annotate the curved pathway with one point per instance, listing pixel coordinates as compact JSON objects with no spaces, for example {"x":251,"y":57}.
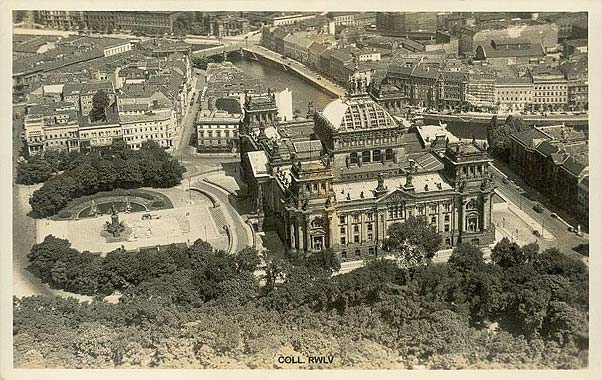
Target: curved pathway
{"x":237,"y":224}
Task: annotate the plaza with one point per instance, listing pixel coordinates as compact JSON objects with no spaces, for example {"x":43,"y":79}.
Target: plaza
{"x":191,"y":218}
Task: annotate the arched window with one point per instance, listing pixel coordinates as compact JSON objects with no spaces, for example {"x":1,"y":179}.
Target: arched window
{"x":389,"y":154}
{"x":366,"y":156}
{"x":471,"y":205}
{"x":353,"y":157}
{"x":376,"y":156}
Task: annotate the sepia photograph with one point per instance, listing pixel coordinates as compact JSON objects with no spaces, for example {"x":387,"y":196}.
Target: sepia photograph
{"x":298,"y":189}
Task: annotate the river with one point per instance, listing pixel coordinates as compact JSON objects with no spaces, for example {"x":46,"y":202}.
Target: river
{"x":303,"y":92}
{"x":277,"y":79}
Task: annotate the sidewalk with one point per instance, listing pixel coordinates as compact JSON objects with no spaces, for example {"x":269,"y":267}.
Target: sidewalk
{"x":531,"y":222}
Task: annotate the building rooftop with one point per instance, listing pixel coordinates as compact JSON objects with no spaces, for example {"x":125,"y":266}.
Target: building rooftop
{"x":356,"y":113}
{"x":423,"y":183}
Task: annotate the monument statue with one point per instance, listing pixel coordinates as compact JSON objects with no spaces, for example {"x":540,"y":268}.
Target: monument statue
{"x":114,"y":227}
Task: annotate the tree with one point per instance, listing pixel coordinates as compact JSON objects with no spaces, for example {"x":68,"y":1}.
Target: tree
{"x":466,"y":258}
{"x":416,"y":232}
{"x":100,"y":102}
{"x":507,"y":254}
{"x":43,"y":256}
{"x":247,"y":260}
{"x":218,"y":267}
{"x":34,"y":171}
{"x":200,"y":62}
{"x":325,"y":259}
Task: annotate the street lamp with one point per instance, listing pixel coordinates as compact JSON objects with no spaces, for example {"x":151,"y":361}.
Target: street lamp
{"x":189,"y":191}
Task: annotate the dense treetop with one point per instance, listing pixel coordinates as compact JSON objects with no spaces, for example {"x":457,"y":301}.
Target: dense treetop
{"x":202,"y":308}
{"x":108,"y":168}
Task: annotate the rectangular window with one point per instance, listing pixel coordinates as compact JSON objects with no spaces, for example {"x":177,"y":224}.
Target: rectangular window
{"x":369,"y":226}
{"x":342,"y":231}
{"x":356,"y":218}
{"x":446,"y":228}
{"x":342,"y":219}
{"x":356,"y":239}
{"x":369,"y":237}
{"x":343,"y":241}
{"x":356,"y":228}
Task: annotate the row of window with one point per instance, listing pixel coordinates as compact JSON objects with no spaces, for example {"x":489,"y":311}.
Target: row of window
{"x":145,"y":137}
{"x":371,"y":156}
{"x":552,"y":87}
{"x":550,"y":100}
{"x":358,"y":253}
{"x":219,"y":134}
{"x":373,"y":141}
{"x":355,"y":218}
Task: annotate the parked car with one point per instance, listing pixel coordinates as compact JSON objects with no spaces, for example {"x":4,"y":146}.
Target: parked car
{"x":538,"y":207}
{"x":554,"y":215}
{"x":536,"y":233}
{"x":505,"y":181}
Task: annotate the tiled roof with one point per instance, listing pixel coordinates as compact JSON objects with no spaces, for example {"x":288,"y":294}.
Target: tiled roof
{"x":529,"y":136}
{"x":535,"y":50}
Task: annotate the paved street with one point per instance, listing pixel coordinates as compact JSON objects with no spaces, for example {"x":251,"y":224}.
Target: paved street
{"x":240,"y":228}
{"x":516,"y":190}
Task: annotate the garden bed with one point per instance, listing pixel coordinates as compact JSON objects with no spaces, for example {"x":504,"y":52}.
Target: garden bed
{"x":141,"y":199}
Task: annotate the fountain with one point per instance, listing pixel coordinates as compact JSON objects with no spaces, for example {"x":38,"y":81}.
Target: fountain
{"x":93,"y":209}
{"x":115,"y":228}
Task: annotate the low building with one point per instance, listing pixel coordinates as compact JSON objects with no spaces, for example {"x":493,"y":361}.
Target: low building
{"x":147,"y":22}
{"x":550,"y":88}
{"x":509,"y":52}
{"x":575,"y":71}
{"x":578,"y":46}
{"x":99,"y":133}
{"x":289,"y":19}
{"x":51,"y":125}
{"x":82,"y":94}
{"x":145,"y":122}
{"x":402,"y":22}
{"x":553,"y":160}
{"x":25,"y":45}
{"x":536,"y":32}
{"x":352,"y":18}
{"x":217,"y":130}
{"x":451,"y":89}
{"x":64,"y":20}
{"x":513,"y":94}
{"x":228,"y":25}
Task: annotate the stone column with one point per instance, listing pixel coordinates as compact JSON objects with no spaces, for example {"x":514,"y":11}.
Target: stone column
{"x":307,"y":237}
{"x":301,"y":234}
{"x":332,"y":229}
{"x":293,"y":241}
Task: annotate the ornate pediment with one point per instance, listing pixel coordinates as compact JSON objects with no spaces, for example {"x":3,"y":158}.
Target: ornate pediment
{"x":397,"y":196}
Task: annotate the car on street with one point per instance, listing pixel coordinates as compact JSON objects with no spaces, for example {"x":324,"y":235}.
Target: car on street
{"x":538,"y":207}
{"x":505,"y":181}
{"x":554,"y":215}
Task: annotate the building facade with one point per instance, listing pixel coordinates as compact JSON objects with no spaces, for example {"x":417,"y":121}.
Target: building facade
{"x":66,"y":20}
{"x":217,"y":130}
{"x":363,"y":172}
{"x":513,"y":94}
{"x":554,"y":160}
{"x":550,"y":89}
